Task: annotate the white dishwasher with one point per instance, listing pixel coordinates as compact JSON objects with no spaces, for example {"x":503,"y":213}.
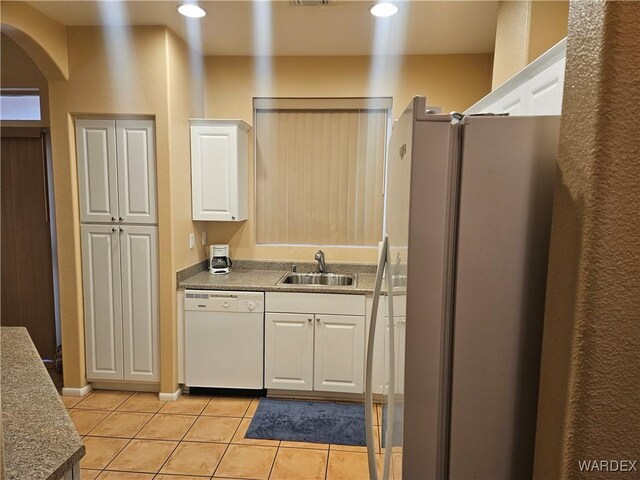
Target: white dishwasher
{"x":224,"y":339}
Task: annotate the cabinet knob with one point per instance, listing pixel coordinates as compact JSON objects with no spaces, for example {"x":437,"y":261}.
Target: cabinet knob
{"x":309,"y":319}
{"x":317,"y":319}
{"x":121,"y":229}
{"x":113,"y":219}
{"x":114,"y":229}
{"x":121,"y":219}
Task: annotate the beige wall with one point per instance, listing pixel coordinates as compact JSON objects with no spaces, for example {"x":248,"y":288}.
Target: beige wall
{"x":186,"y":100}
{"x":548,"y":22}
{"x":525,"y":30}
{"x":95,"y":88}
{"x":512,"y":33}
{"x":589,"y":404}
{"x":42,"y":38}
{"x":156,"y":81}
{"x":18,"y":70}
{"x":452,"y":81}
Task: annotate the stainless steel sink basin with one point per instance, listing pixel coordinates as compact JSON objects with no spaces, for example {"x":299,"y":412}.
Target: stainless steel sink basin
{"x":320,"y":279}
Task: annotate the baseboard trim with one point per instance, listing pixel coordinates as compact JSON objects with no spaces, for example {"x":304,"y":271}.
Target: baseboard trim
{"x":126,"y":386}
{"x":316,"y":395}
{"x":77,"y":392}
{"x":170,"y":397}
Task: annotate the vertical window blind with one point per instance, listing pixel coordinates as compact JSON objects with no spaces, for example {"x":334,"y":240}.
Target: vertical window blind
{"x":320,"y":170}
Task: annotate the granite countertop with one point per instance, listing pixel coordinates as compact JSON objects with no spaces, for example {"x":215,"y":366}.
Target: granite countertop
{"x":266,"y":280}
{"x":40,"y":440}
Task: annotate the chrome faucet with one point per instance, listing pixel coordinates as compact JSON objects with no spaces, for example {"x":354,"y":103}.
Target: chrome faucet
{"x":320,"y":258}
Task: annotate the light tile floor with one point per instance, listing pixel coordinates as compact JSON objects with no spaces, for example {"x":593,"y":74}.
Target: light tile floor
{"x":135,"y":436}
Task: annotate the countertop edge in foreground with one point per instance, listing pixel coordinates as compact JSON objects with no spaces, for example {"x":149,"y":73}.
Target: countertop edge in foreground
{"x":40,"y":440}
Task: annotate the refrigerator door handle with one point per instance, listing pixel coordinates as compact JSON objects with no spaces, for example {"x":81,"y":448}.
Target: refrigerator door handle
{"x":368,"y":402}
{"x":391,"y":393}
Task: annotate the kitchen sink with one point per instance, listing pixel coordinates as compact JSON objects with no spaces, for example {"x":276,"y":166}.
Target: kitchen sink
{"x":321,"y":279}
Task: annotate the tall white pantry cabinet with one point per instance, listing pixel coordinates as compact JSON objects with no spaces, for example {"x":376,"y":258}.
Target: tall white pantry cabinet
{"x":117,"y":190}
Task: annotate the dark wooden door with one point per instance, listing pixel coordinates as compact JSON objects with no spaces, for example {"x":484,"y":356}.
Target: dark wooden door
{"x":27,"y":271}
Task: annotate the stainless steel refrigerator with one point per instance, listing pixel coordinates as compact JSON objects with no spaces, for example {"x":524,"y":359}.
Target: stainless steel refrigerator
{"x":468,"y":215}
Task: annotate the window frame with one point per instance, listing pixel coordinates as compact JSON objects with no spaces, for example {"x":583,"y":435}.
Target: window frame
{"x":23,"y":92}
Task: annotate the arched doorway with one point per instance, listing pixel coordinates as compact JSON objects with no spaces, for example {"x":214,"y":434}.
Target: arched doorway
{"x":28,"y":249}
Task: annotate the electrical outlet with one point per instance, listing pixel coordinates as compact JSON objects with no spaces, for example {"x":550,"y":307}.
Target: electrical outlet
{"x":192,"y":240}
{"x":203,"y":237}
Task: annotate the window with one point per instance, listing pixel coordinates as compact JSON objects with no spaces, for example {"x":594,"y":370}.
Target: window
{"x":20,"y":104}
{"x":320,"y":170}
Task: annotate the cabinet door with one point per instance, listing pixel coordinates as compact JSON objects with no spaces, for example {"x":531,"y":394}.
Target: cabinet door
{"x":97,"y":170}
{"x":514,"y":102}
{"x":545,"y":90}
{"x":139,"y":272}
{"x":136,"y":171}
{"x":288,"y":362}
{"x":102,"y":307}
{"x":214,"y":172}
{"x":339,"y":353}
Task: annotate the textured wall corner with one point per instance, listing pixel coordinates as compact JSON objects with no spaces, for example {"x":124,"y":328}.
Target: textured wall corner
{"x":589,"y":406}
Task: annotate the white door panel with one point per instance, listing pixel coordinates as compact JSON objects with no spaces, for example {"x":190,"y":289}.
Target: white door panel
{"x":289,"y":351}
{"x":139,"y":273}
{"x":339,"y":353}
{"x":136,"y":171}
{"x":214,"y":153}
{"x":102,"y":307}
{"x":97,"y":170}
{"x":545,"y":90}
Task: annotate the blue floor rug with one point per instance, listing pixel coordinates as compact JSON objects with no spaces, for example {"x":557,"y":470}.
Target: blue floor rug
{"x":314,"y":422}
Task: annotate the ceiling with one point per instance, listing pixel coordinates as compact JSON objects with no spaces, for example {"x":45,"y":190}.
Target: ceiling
{"x":340,"y":28}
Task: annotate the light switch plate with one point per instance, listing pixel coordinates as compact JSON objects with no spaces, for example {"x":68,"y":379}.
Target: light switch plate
{"x":192,"y":240}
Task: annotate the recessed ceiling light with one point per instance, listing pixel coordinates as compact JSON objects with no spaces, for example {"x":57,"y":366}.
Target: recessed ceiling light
{"x":191,"y":10}
{"x":384,"y":9}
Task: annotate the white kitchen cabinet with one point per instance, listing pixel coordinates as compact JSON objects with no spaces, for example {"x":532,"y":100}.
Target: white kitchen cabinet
{"x":139,"y":280}
{"x":544,"y":90}
{"x":116,"y":171}
{"x":288,"y":341}
{"x":117,"y":187}
{"x":135,"y":146}
{"x":102,"y":308}
{"x":219,"y":166}
{"x":321,"y":350}
{"x":119,"y":265}
{"x":535,"y":90}
{"x":339,"y":353}
{"x":97,"y":170}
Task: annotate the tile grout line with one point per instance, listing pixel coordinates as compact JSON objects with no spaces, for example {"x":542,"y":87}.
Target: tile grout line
{"x":231,"y":440}
{"x":130,"y":440}
{"x":182,"y":438}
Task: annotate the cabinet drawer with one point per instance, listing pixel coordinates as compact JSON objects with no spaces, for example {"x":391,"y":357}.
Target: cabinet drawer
{"x":338,"y":304}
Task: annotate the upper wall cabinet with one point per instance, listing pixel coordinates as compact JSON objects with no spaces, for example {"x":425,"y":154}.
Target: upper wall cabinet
{"x":116,"y":171}
{"x":219,"y":164}
{"x":535,"y":90}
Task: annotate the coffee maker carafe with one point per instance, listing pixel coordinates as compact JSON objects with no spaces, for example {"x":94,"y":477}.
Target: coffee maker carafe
{"x":219,"y":261}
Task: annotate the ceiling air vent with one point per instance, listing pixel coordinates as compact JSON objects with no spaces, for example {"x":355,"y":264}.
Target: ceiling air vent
{"x":309,"y":3}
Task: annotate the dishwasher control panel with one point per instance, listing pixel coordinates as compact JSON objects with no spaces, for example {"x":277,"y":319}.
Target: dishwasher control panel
{"x":223,"y":301}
